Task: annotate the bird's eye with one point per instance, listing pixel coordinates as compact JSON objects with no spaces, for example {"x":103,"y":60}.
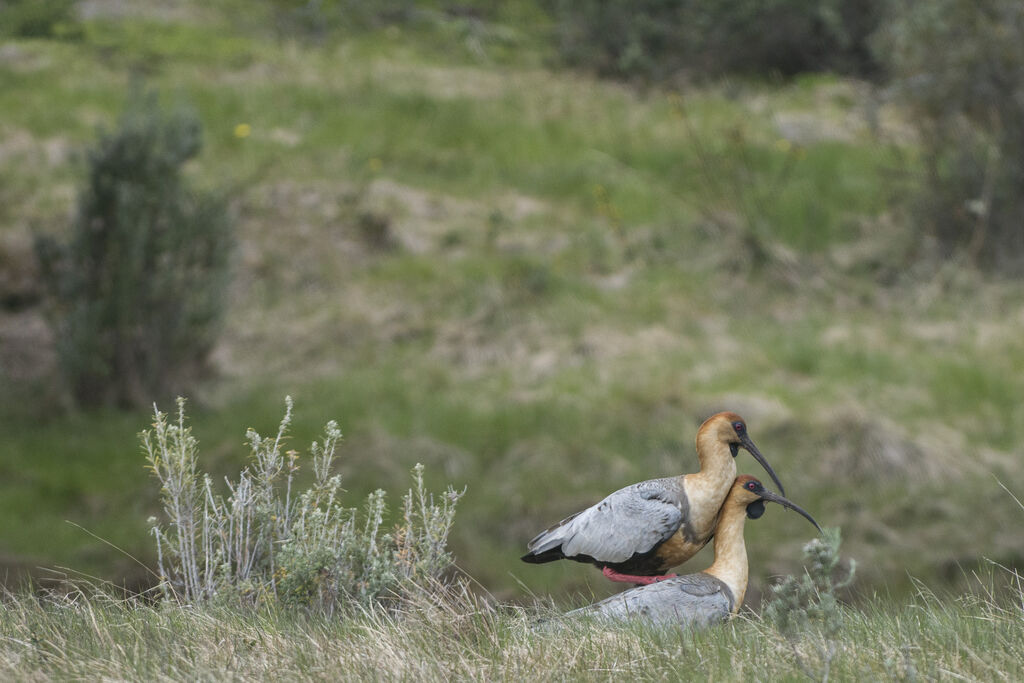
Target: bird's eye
{"x":752,"y":485}
{"x":739,"y":427}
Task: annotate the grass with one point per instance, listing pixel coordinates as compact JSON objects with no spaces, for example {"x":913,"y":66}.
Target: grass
{"x":461,"y":637}
{"x":570,"y":291}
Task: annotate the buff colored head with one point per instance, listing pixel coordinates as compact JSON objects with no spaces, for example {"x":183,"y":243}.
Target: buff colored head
{"x":731,"y":429}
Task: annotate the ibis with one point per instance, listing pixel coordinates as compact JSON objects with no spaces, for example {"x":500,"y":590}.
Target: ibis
{"x":638,"y":533}
{"x":709,"y":596}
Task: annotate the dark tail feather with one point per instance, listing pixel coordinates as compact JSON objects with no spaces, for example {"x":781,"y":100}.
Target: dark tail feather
{"x":544,"y":557}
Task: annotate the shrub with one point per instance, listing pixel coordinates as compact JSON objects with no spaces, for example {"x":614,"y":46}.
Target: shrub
{"x":959,"y":65}
{"x":264,"y":542}
{"x":655,"y":39}
{"x":807,"y":608}
{"x":38,"y":18}
{"x":138,"y":290}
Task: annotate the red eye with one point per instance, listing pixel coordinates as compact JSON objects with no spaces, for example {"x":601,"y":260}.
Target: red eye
{"x":751,"y":485}
{"x":739,"y":427}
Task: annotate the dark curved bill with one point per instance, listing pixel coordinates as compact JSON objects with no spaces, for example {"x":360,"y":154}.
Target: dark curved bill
{"x":749,"y":445}
{"x":776,"y":498}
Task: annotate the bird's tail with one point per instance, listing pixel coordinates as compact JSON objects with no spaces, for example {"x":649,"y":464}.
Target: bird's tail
{"x":544,"y":557}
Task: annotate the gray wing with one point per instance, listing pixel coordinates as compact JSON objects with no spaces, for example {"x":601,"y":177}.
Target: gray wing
{"x":696,"y":600}
{"x":632,"y":520}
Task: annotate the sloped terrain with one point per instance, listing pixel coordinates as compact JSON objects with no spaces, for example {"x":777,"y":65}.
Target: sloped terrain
{"x":533,"y":282}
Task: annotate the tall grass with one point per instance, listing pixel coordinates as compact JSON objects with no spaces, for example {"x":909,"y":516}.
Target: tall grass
{"x":445,"y":632}
{"x":460,"y":636}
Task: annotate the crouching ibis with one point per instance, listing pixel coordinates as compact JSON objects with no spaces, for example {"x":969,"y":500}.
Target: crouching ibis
{"x":638,"y":533}
{"x":709,"y":596}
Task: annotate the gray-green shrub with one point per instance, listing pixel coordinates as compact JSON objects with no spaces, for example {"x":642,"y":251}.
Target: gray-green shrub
{"x":656,"y":39}
{"x":959,"y":66}
{"x":39,"y":19}
{"x":138,"y":288}
{"x":266,"y":543}
{"x":806,"y":609}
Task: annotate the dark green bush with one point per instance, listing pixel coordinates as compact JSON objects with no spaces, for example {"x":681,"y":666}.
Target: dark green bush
{"x":38,"y":18}
{"x":959,"y":66}
{"x":657,"y":39}
{"x":138,"y":289}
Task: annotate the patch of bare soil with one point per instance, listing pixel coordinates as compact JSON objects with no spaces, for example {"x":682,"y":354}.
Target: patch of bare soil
{"x":27,"y":351}
{"x":165,"y":10}
{"x":442,"y":82}
{"x":830,"y":116}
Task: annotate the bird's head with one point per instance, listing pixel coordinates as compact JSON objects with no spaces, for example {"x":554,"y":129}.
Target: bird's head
{"x":751,"y":493}
{"x":731,"y":430}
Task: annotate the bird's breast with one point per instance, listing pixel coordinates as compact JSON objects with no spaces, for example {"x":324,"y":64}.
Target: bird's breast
{"x":677,"y":549}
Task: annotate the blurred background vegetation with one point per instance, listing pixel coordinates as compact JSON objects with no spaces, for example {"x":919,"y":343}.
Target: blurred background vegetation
{"x":530,"y":244}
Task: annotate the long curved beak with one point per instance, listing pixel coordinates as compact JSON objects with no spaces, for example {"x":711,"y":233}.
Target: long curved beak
{"x":749,"y":445}
{"x":776,"y":498}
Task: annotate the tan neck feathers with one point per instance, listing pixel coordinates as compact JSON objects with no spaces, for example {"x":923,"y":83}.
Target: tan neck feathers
{"x":730,"y":565}
{"x":714,"y":455}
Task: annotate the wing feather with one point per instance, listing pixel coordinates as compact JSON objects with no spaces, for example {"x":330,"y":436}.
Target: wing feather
{"x":632,"y":520}
{"x":690,"y":600}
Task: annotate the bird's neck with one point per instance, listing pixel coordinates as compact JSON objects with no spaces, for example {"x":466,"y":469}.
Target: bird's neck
{"x":730,"y":565}
{"x":717,"y":467}
{"x":705,"y":490}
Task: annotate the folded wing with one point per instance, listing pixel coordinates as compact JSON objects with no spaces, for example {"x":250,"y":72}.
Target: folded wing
{"x":633,"y":520}
{"x":692,"y":600}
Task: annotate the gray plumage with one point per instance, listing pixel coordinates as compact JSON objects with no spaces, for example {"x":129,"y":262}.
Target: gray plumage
{"x":693,"y":600}
{"x":633,"y":520}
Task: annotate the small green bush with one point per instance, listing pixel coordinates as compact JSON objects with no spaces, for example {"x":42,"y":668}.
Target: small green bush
{"x":656,"y":39}
{"x":959,"y":65}
{"x":807,"y":609}
{"x":138,"y":290}
{"x":266,"y":543}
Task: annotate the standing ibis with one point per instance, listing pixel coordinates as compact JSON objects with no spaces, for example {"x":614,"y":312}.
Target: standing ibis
{"x":638,"y":533}
{"x":709,"y":596}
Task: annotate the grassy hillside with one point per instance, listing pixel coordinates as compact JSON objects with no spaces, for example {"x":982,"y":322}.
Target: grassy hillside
{"x":533,"y":282}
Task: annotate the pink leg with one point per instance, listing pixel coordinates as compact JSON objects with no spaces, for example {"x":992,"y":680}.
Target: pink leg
{"x":613,"y":575}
